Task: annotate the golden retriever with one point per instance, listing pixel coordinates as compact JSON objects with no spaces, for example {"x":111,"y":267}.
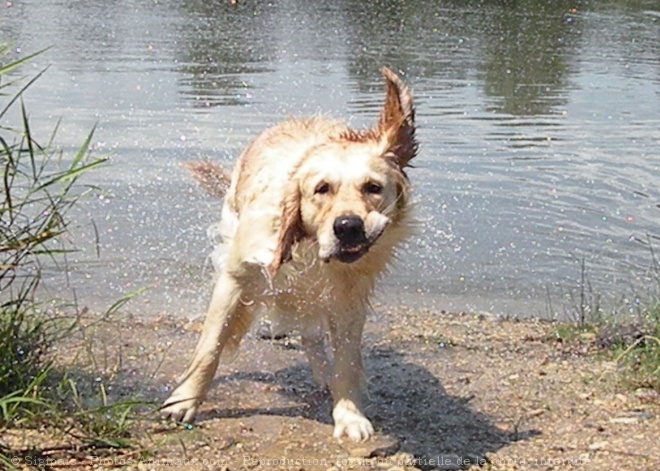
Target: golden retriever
{"x":312,"y":216}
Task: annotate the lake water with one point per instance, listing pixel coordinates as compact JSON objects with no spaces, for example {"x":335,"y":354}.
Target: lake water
{"x":539,"y":125}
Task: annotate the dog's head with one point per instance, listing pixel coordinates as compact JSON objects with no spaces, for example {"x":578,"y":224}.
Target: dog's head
{"x":347,"y":191}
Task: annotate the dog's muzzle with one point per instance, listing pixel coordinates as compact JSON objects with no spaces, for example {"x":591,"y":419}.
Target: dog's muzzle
{"x":352,"y":240}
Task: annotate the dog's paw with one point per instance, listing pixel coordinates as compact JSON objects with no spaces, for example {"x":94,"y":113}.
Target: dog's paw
{"x":180,"y":409}
{"x":350,"y":422}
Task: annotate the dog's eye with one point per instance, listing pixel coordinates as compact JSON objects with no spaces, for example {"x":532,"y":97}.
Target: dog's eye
{"x":373,"y":188}
{"x":322,"y":188}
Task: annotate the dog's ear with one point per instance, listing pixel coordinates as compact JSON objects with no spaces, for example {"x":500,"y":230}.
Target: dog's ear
{"x":397,"y":120}
{"x":290,"y":230}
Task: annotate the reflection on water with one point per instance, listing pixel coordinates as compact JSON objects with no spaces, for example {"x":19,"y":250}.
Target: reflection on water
{"x":539,"y":123}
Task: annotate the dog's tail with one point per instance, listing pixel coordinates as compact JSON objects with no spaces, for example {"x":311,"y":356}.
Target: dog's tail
{"x":211,"y":177}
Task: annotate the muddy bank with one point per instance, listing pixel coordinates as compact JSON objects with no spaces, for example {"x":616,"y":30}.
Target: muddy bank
{"x":448,"y":391}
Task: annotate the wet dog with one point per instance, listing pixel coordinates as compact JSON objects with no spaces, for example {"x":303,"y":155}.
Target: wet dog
{"x":312,"y":215}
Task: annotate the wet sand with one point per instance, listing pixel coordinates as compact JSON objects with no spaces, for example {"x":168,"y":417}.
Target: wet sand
{"x":447,"y":391}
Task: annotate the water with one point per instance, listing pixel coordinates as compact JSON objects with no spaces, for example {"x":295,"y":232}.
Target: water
{"x":539,"y":125}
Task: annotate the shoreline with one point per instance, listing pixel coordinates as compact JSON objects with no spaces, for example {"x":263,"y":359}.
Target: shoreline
{"x":501,"y":392}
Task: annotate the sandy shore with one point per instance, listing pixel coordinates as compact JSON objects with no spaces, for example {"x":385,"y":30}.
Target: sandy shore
{"x":448,"y":391}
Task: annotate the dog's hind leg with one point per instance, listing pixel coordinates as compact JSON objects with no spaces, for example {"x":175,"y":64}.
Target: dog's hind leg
{"x":227,"y":320}
{"x":348,"y":384}
{"x":313,"y":343}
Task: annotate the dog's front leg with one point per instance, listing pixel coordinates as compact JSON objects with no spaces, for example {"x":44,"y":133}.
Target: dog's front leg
{"x":223,"y":320}
{"x":348,"y":384}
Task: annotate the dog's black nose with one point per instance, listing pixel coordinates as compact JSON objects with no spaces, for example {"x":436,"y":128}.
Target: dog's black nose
{"x":349,"y":229}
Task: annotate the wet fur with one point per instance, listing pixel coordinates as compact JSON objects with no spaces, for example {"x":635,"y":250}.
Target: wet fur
{"x":282,"y":254}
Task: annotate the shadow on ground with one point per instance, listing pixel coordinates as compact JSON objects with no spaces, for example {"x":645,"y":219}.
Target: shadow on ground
{"x":407,"y":403}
